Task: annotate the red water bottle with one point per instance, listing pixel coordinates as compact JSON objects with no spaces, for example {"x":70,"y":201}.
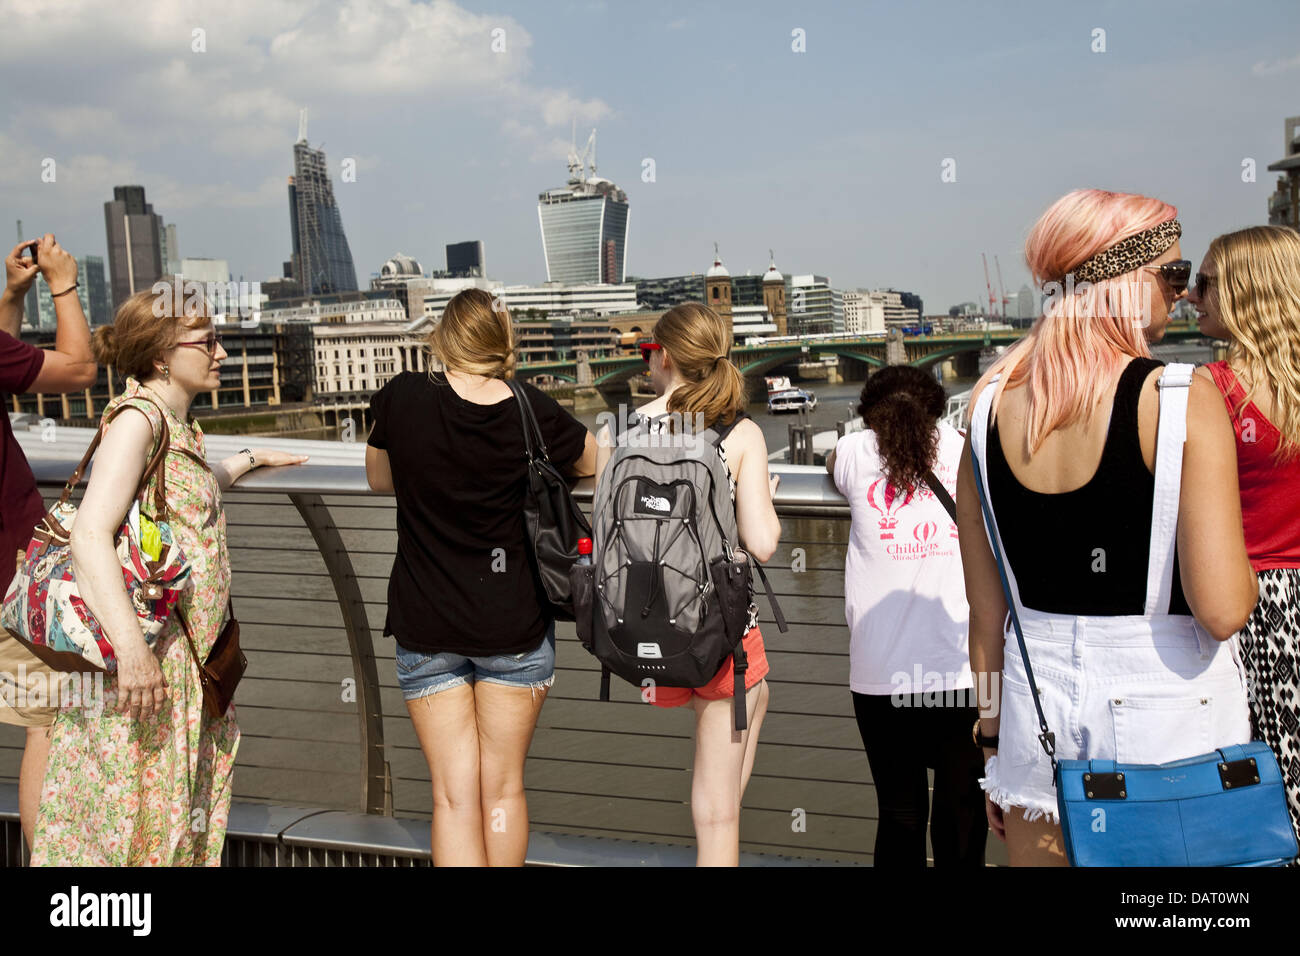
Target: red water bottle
{"x":584,"y":551}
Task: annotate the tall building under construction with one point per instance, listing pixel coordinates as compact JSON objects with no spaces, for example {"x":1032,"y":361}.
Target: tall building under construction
{"x":584,"y":224}
{"x":322,"y":261}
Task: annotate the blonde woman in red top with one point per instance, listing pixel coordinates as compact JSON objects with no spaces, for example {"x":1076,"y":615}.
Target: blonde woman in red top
{"x":1248,"y":292}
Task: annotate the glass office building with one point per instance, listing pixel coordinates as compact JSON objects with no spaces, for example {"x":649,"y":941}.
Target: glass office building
{"x":135,"y":245}
{"x":584,"y":232}
{"x":322,"y":261}
{"x":91,"y":292}
{"x":466,"y":259}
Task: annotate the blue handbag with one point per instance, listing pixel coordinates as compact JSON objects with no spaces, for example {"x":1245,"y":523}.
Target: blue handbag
{"x":1224,"y":808}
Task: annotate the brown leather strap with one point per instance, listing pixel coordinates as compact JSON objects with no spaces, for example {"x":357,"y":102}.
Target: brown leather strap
{"x":195,"y":457}
{"x":194,"y":653}
{"x":156,"y":463}
{"x":185,"y":626}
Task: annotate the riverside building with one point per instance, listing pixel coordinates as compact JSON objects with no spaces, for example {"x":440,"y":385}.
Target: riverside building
{"x":1284,"y":204}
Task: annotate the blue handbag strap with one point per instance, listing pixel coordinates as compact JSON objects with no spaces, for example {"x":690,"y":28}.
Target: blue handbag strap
{"x":1045,"y":737}
{"x":1232,"y":752}
{"x":1227,"y":754}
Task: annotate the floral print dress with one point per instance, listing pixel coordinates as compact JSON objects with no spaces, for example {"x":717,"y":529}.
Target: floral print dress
{"x":123,"y":791}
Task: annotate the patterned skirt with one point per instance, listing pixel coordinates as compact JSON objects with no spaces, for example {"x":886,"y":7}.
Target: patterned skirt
{"x":1270,"y":650}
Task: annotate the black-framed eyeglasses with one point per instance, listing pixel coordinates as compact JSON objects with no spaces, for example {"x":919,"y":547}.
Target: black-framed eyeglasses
{"x":647,"y":348}
{"x":1203,"y":284}
{"x":1175,"y":273}
{"x":210,"y":344}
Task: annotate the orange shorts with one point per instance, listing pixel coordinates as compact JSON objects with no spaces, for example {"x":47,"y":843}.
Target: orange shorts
{"x":724,"y":680}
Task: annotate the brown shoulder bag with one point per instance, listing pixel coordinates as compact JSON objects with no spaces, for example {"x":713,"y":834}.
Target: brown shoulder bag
{"x":225,"y":665}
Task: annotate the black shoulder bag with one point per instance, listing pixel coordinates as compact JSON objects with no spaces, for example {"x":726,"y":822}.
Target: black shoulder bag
{"x":552,"y":519}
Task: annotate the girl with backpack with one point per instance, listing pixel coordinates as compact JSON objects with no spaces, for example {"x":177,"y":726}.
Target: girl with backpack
{"x":696,"y":380}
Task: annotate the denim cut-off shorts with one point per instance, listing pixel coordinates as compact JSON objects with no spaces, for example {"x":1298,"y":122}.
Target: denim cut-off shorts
{"x":420,"y":674}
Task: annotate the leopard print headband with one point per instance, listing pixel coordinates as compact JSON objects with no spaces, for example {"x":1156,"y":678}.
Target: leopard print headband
{"x":1127,"y":254}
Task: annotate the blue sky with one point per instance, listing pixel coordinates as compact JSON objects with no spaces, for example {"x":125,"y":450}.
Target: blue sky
{"x":831,"y":156}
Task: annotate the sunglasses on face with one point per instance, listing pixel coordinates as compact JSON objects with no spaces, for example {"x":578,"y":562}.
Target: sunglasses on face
{"x":210,"y":344}
{"x":1203,"y":284}
{"x":1175,"y":273}
{"x":647,"y":348}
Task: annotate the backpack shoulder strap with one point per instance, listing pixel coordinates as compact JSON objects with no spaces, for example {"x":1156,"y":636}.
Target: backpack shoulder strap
{"x":636,"y":421}
{"x":725,"y":430}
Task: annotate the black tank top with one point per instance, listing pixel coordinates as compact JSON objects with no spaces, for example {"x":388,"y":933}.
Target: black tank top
{"x":1085,"y":551}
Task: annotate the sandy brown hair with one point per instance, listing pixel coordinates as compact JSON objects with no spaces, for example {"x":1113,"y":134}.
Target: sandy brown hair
{"x":148,"y":324}
{"x":474,"y":336}
{"x":1257,"y":291}
{"x":698,"y":341}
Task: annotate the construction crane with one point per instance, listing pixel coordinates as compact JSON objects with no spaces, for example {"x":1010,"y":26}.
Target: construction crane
{"x":1002,"y":290}
{"x":577,"y":160}
{"x":989,"y":286}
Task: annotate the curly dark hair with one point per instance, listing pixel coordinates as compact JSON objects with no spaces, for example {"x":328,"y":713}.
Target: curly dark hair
{"x":902,"y":405}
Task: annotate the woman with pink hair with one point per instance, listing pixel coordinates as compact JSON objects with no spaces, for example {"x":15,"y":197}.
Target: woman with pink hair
{"x":1128,"y":579}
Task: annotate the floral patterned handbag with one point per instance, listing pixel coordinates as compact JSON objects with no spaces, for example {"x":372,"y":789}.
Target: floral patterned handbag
{"x":43,"y":608}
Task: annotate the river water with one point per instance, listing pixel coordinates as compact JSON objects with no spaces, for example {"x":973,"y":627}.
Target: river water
{"x":837,"y":403}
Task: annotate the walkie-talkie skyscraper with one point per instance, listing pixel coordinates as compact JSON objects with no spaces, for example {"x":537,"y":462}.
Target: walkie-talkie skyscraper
{"x":584,"y":225}
{"x":322,"y":261}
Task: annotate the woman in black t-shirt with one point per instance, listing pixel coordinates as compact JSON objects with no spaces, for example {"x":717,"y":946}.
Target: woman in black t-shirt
{"x":475,"y":648}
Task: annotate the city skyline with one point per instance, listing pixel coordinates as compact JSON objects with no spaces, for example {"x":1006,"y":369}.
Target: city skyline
{"x":723,"y":130}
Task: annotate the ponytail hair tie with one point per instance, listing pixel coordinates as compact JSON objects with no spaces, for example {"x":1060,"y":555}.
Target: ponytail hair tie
{"x":716,"y":360}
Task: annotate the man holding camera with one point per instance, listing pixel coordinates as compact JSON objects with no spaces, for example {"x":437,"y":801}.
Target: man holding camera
{"x":68,"y":367}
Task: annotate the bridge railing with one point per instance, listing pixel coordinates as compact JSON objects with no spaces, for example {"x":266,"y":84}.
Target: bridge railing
{"x":324,"y":725}
{"x":955,"y":412}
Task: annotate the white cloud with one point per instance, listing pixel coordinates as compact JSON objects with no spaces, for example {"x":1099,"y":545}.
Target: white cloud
{"x":67,"y":122}
{"x":558,"y":108}
{"x":131,"y":72}
{"x":1272,"y":67}
{"x":541,"y":146}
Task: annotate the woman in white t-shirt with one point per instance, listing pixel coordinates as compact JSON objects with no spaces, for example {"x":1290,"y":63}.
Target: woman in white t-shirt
{"x":905,"y":602}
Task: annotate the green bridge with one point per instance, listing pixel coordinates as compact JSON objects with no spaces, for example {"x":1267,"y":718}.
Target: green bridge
{"x":858,"y":355}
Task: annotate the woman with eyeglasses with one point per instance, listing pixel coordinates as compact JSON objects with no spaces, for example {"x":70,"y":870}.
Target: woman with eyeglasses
{"x":1248,"y":292}
{"x":1128,"y":580}
{"x":145,"y":779}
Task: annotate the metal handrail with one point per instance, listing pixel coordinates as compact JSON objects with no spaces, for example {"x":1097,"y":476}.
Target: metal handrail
{"x":955,"y":413}
{"x":804,"y":491}
{"x":338,"y":468}
{"x":375,"y":796}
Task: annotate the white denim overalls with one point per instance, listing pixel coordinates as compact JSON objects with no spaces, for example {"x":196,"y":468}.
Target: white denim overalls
{"x":1146,"y":688}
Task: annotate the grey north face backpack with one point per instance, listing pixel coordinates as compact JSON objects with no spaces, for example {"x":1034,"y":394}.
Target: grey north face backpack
{"x":666,"y":598}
